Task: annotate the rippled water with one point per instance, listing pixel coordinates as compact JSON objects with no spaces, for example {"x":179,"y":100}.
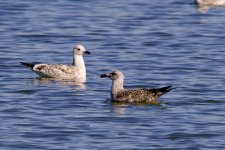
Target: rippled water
{"x":154,"y":43}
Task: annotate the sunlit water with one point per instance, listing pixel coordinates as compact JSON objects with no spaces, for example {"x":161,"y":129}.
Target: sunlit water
{"x":154,"y":43}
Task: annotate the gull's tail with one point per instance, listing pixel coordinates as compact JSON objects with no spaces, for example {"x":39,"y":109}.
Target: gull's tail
{"x":31,"y":66}
{"x":160,"y":91}
{"x":165,"y":89}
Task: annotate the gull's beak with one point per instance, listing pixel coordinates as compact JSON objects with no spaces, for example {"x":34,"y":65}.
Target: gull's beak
{"x":105,"y":76}
{"x":87,"y":52}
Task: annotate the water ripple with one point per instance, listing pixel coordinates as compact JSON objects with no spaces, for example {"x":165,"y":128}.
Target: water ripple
{"x":154,"y":44}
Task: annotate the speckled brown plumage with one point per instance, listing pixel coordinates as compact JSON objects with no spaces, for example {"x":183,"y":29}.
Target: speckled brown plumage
{"x":141,"y":95}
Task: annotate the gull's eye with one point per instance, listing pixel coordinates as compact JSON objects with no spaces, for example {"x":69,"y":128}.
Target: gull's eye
{"x":78,"y":49}
{"x":113,"y":73}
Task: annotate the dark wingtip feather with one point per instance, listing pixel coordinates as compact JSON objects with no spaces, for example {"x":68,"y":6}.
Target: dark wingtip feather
{"x":27,"y":65}
{"x":166,"y":89}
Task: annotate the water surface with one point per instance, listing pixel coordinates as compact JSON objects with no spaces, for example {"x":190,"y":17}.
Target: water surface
{"x":154,"y":44}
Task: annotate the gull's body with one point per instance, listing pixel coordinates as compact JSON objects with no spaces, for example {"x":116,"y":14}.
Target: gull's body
{"x":211,"y":2}
{"x":76,"y":71}
{"x":139,"y":95}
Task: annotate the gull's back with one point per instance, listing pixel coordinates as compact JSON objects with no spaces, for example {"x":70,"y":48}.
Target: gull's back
{"x":140,"y":95}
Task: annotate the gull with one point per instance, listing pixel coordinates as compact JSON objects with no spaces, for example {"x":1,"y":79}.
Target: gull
{"x":211,"y":2}
{"x":139,"y":95}
{"x":76,"y":71}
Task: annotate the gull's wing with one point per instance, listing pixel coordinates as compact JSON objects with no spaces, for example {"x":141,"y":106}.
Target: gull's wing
{"x":140,"y":95}
{"x":56,"y":70}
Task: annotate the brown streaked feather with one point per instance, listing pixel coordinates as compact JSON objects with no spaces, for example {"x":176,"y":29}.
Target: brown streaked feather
{"x":41,"y":67}
{"x":61,"y":69}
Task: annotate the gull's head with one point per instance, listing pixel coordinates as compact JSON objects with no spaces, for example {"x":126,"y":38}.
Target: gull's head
{"x":114,"y":75}
{"x":80,"y":50}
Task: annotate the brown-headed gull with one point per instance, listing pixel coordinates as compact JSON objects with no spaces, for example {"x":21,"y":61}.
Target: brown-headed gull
{"x":139,"y":95}
{"x":76,"y":71}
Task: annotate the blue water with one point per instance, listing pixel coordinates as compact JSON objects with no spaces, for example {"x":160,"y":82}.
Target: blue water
{"x":155,"y":43}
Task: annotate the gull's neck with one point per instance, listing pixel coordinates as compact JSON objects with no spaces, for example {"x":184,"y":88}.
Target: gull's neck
{"x":78,"y":62}
{"x":117,"y":85}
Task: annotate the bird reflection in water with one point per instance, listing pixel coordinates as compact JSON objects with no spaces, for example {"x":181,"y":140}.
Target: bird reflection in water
{"x":120,"y":107}
{"x":45,"y":81}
